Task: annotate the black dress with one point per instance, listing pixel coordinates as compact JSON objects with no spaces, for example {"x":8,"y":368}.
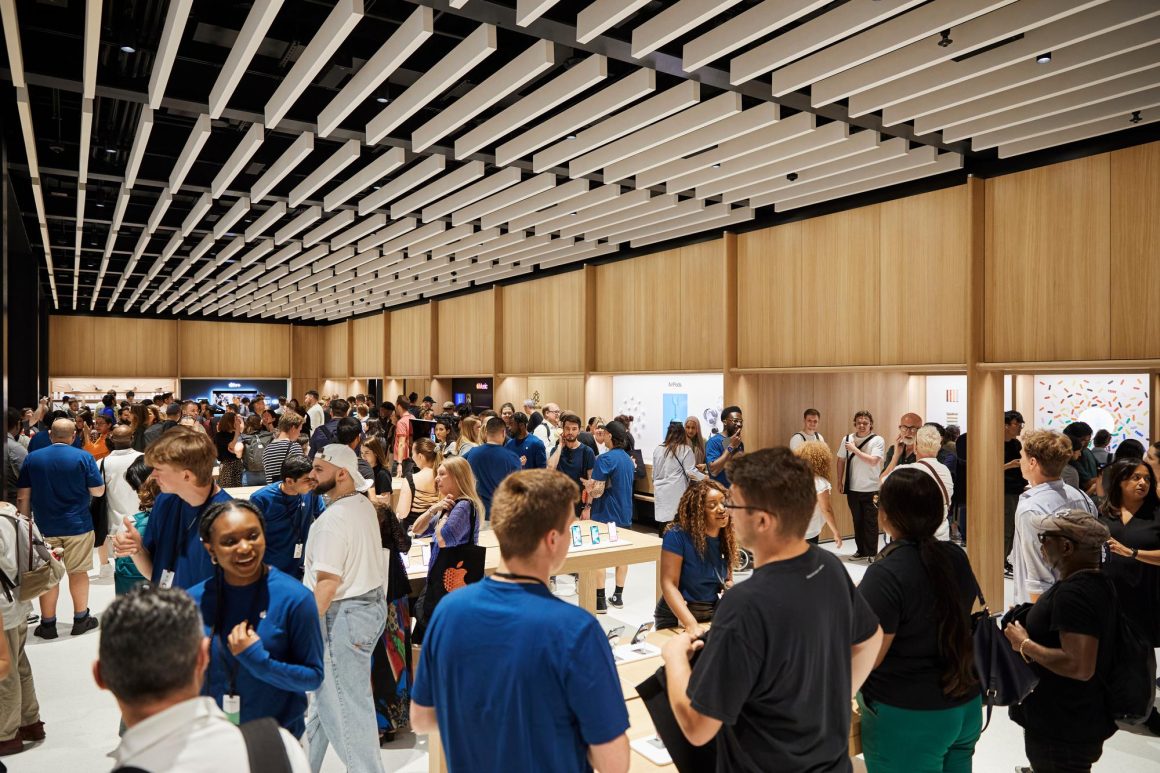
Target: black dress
{"x":1137,"y":583}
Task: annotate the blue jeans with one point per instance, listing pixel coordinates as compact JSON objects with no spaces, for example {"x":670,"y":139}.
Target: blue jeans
{"x":253,"y":478}
{"x":343,"y":712}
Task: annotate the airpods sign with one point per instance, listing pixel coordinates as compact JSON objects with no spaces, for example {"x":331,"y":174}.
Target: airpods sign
{"x":654,"y":401}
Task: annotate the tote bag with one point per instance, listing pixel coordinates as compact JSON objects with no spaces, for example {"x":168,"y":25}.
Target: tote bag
{"x":686,"y":757}
{"x":454,"y":568}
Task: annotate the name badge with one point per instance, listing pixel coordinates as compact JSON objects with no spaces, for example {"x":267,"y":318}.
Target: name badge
{"x":232,"y":706}
{"x":166,"y":578}
{"x":298,"y":550}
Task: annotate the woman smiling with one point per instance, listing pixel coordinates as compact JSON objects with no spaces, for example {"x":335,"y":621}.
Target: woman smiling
{"x":265,"y":641}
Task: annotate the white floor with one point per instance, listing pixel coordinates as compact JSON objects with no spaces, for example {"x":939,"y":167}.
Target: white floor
{"x":81,"y":721}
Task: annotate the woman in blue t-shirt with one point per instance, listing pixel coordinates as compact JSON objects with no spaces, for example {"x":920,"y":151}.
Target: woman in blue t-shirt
{"x":265,"y":640}
{"x":126,"y":576}
{"x":698,"y":553}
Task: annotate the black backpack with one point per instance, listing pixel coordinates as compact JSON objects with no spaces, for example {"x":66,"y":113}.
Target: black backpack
{"x":1130,"y":686}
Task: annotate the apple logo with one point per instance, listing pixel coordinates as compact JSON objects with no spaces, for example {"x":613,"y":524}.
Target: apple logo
{"x":455,"y":578}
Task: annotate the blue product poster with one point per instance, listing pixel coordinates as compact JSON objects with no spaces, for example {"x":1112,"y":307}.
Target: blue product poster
{"x":676,"y":409}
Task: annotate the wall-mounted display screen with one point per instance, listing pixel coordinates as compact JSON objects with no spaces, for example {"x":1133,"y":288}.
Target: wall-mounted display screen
{"x":476,"y":392}
{"x":1115,"y":402}
{"x":221,"y":392}
{"x":654,"y":401}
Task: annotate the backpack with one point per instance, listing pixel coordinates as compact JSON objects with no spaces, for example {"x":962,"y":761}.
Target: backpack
{"x":255,"y":446}
{"x":37,"y":569}
{"x":264,"y":748}
{"x":1130,"y":686}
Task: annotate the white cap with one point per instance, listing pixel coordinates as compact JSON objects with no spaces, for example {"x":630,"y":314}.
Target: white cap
{"x":343,"y":456}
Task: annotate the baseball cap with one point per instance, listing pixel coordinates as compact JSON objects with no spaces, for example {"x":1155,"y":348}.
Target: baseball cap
{"x":1081,"y":527}
{"x":618,"y":431}
{"x":343,"y":456}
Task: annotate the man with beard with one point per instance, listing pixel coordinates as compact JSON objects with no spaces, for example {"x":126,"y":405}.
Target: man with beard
{"x":345,"y":569}
{"x":718,"y":451}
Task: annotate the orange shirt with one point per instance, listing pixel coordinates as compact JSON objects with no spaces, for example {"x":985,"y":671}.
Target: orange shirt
{"x":97,"y":447}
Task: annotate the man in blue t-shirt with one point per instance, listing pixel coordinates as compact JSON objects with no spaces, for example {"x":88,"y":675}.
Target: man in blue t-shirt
{"x":572,"y":457}
{"x":722,"y":447}
{"x":289,"y":508}
{"x":44,"y":439}
{"x":529,"y":448}
{"x":611,"y":492}
{"x":171,"y":554}
{"x":55,"y":486}
{"x":491,"y":462}
{"x":549,"y":688}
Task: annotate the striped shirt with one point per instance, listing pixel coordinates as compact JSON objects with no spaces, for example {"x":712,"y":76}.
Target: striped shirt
{"x":276,"y":453}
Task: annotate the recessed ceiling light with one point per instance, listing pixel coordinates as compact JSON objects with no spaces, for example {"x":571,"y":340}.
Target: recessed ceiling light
{"x":128,"y":49}
{"x":382,"y":100}
{"x":1044,"y":58}
{"x":716,"y":166}
{"x":571,"y":136}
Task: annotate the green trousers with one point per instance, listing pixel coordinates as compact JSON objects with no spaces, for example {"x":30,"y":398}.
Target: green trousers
{"x":898,"y":740}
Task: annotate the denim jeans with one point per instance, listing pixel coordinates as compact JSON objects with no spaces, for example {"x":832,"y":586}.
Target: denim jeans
{"x":343,"y":711}
{"x":253,"y":478}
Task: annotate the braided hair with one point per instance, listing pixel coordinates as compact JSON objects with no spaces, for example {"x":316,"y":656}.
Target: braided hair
{"x":693,"y":518}
{"x":205,"y":525}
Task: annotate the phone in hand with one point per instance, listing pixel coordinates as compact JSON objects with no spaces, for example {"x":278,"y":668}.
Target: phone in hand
{"x":594,"y":530}
{"x":642,"y":632}
{"x":577,"y":536}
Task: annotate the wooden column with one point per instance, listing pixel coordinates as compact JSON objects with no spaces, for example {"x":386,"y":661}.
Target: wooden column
{"x":497,"y":363}
{"x":385,"y":375}
{"x":984,"y":419}
{"x":731,"y":383}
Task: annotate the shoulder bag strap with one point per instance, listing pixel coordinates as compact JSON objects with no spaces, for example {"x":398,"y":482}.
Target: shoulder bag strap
{"x":264,"y":746}
{"x":942,"y":486}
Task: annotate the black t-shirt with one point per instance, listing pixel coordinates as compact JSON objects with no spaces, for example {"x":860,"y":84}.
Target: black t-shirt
{"x":1013,"y":482}
{"x":1061,"y":708}
{"x":223,"y":441}
{"x":776,"y":668}
{"x":907,"y":458}
{"x":898,"y":589}
{"x":576,"y":462}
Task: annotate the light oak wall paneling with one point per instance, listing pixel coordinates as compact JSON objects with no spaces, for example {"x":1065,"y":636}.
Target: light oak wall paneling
{"x":1047,"y":255}
{"x":1134,"y":300}
{"x":1023,"y":397}
{"x":615,"y":308}
{"x":598,"y":397}
{"x":704,"y":318}
{"x":731,"y":331}
{"x":440,"y":389}
{"x":336,"y":387}
{"x":509,"y":389}
{"x":411,"y":342}
{"x":366,"y":344}
{"x":840,"y":289}
{"x":565,"y":391}
{"x":543,"y":325}
{"x":112,"y":346}
{"x":307,"y":360}
{"x":769,"y":297}
{"x":924,"y":258}
{"x":466,"y":335}
{"x":591,"y":316}
{"x":243,"y":349}
{"x":336,"y":351}
{"x":773,"y":404}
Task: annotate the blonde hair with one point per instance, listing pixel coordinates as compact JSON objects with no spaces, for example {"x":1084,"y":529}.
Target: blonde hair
{"x":186,"y":448}
{"x":818,"y":456}
{"x":460,"y":472}
{"x":469,"y":429}
{"x":1051,"y":449}
{"x":928,"y":441}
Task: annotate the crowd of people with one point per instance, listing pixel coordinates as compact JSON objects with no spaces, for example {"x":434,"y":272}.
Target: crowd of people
{"x":258,"y":558}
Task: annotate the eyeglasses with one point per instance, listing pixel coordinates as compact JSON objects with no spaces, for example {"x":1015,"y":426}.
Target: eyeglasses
{"x":1044,"y":537}
{"x":905,"y":427}
{"x":728,"y":505}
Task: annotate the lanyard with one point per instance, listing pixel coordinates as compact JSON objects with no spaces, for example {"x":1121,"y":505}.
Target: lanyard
{"x":217,"y":632}
{"x":180,"y":534}
{"x":519,"y":577}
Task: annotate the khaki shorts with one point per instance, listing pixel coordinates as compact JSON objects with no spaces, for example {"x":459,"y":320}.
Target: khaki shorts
{"x":78,"y":551}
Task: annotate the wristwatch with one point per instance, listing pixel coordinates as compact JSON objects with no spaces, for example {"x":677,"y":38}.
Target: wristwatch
{"x":1135,"y":552}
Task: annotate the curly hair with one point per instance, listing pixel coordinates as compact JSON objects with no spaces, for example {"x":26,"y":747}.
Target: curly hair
{"x":693,"y":517}
{"x":818,"y":456}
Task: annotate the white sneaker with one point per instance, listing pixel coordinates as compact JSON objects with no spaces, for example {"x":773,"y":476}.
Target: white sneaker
{"x":106,"y":572}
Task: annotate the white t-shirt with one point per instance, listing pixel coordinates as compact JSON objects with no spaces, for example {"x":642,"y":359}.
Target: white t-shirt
{"x":942,"y":473}
{"x":345,"y":541}
{"x":316,"y":415}
{"x":120,"y":498}
{"x":818,"y":520}
{"x":863,"y":476}
{"x":801,"y":437}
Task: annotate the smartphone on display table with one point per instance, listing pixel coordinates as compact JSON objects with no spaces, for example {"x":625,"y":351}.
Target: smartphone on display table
{"x":612,"y":532}
{"x":642,"y":632}
{"x":594,"y":530}
{"x":577,"y":536}
{"x":614,"y":635}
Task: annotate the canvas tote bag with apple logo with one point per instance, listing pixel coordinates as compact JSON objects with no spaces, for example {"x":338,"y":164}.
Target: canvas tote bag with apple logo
{"x":454,"y":568}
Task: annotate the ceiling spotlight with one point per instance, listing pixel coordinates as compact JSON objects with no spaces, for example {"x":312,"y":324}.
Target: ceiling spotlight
{"x":1044,"y":58}
{"x":716,"y":166}
{"x":128,"y":49}
{"x":946,"y":39}
{"x":1135,"y":117}
{"x":382,"y":100}
{"x":792,"y":176}
{"x":571,"y":136}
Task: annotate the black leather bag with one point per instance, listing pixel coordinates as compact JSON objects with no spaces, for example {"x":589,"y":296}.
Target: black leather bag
{"x":686,"y":757}
{"x":1005,"y":679}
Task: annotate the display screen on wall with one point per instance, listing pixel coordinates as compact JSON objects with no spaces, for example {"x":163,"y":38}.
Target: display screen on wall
{"x":221,"y":392}
{"x":946,"y":399}
{"x":1115,"y":402}
{"x":654,"y":401}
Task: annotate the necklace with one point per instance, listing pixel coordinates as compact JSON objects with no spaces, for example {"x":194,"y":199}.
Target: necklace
{"x":332,"y":500}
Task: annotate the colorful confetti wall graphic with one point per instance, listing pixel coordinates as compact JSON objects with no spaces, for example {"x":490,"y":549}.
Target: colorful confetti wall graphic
{"x":1117,"y":403}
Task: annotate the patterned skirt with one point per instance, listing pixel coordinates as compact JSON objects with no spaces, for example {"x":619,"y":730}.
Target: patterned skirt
{"x":391,"y":670}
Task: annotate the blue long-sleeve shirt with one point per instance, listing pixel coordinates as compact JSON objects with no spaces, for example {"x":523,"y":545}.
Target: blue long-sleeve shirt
{"x":173,"y":541}
{"x":273,"y":675}
{"x":288,"y":521}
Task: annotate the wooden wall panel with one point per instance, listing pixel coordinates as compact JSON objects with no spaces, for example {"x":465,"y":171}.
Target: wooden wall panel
{"x":367,"y":347}
{"x":769,"y":297}
{"x":565,"y":391}
{"x":615,"y":305}
{"x":773,"y":406}
{"x":411,"y":342}
{"x":701,"y":341}
{"x":210,"y":349}
{"x":544,"y":325}
{"x":111,"y":346}
{"x":1134,"y":290}
{"x":467,"y":335}
{"x":839,"y":288}
{"x":336,"y":351}
{"x":1047,"y":263}
{"x":924,"y":255}
{"x":306,"y":372}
